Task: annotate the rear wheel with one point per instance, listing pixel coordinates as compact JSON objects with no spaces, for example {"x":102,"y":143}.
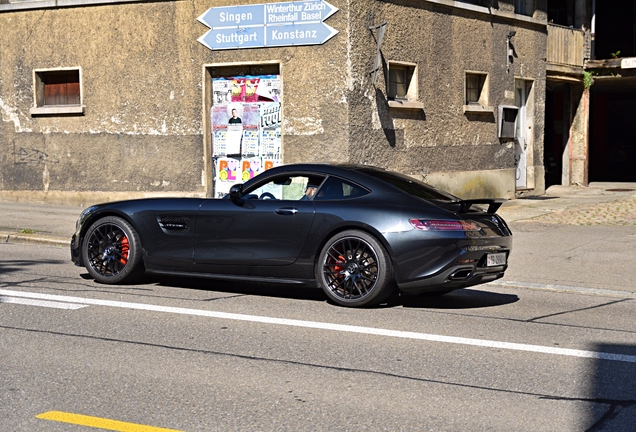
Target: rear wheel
{"x":112,"y":251}
{"x":354,"y":270}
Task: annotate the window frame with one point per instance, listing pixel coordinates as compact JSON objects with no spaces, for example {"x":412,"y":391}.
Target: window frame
{"x":411,"y":96}
{"x":40,"y":107}
{"x":482,"y":103}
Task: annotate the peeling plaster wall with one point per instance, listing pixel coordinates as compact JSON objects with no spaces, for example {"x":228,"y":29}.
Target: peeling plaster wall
{"x":141,"y":88}
{"x":143,"y":78}
{"x":444,"y":42}
{"x":141,"y":68}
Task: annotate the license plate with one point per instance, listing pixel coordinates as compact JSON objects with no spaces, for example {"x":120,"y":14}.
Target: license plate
{"x":496,"y":259}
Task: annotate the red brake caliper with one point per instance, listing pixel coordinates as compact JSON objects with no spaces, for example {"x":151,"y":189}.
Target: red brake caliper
{"x":337,"y":268}
{"x":125,"y":247}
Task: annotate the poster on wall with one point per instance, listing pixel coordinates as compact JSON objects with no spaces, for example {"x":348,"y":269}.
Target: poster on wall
{"x":246,"y":128}
{"x":251,"y":121}
{"x":227,"y":173}
{"x":222,"y":91}
{"x":271,"y":144}
{"x":268,"y":88}
{"x":250,"y":167}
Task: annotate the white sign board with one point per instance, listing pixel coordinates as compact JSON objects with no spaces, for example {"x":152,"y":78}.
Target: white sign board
{"x":628,"y":63}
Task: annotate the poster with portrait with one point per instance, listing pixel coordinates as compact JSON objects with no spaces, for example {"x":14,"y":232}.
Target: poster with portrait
{"x":250,"y":145}
{"x":234,"y":136}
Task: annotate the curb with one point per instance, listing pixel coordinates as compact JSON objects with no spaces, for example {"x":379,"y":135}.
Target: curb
{"x":23,"y":239}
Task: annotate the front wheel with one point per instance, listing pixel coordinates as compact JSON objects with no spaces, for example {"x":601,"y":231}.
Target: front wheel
{"x":112,"y":251}
{"x":354,"y":270}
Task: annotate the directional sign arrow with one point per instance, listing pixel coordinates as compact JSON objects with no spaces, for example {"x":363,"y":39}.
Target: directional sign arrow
{"x":299,"y":34}
{"x":233,"y":38}
{"x":233,"y":16}
{"x":264,"y":25}
{"x":298,"y":12}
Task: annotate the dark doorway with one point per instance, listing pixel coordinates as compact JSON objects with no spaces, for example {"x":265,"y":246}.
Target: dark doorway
{"x":612,"y":146}
{"x":557,"y":125}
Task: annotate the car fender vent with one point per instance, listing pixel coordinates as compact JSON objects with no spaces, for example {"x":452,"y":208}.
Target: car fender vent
{"x":174,"y":224}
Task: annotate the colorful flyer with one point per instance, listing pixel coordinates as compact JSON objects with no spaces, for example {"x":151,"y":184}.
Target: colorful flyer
{"x":268,"y":163}
{"x":250,"y":168}
{"x":227,"y":173}
{"x":238,"y":89}
{"x":251,"y":84}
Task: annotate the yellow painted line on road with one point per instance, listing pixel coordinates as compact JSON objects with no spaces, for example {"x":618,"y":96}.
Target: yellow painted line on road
{"x":101,"y":423}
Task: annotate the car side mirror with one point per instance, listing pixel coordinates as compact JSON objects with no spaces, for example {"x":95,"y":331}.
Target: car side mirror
{"x":236,"y":191}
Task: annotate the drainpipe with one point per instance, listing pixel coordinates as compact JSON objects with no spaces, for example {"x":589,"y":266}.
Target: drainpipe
{"x":593,"y":31}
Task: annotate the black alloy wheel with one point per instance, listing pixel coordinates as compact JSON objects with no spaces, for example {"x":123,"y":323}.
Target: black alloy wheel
{"x":354,"y":270}
{"x":111,"y":251}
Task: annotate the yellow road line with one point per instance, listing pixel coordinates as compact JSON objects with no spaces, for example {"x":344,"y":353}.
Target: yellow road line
{"x":96,"y":422}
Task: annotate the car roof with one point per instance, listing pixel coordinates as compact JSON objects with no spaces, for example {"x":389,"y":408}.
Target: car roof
{"x":358,"y":173}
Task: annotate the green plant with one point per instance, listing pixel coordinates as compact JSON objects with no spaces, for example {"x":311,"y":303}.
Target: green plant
{"x":588,"y":79}
{"x":616,"y":54}
{"x":26,"y":231}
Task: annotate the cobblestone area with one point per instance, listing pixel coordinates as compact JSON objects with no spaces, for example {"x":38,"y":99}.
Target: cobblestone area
{"x":616,"y":213}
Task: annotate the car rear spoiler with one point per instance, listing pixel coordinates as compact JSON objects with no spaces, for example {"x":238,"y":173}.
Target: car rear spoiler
{"x":493,"y":204}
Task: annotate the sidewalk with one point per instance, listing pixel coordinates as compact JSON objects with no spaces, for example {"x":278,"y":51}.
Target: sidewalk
{"x":597,"y":204}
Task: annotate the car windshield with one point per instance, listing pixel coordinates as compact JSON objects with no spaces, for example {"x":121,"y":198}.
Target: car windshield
{"x":409,"y":185}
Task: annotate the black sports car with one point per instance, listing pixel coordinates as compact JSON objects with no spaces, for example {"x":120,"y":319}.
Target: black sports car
{"x":356,"y":231}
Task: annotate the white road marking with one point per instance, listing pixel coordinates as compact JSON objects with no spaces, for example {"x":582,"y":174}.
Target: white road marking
{"x":334,"y":327}
{"x":41,"y":303}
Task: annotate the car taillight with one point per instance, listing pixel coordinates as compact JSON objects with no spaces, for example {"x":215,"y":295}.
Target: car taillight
{"x":443,"y":225}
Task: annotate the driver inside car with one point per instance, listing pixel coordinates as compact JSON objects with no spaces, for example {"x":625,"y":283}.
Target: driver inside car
{"x":310,"y":192}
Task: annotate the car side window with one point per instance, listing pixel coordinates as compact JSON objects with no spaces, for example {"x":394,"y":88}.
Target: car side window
{"x":287,"y":187}
{"x":338,"y":189}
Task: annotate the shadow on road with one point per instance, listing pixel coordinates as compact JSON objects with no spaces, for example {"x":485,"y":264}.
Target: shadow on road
{"x":12,"y":266}
{"x":612,"y":390}
{"x":459,"y":299}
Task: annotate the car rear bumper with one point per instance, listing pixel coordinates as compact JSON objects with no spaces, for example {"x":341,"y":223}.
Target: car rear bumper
{"x":445,"y":262}
{"x":454,"y":277}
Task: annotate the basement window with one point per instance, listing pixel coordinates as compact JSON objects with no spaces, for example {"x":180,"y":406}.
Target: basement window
{"x":402,"y":86}
{"x":476,"y":93}
{"x":57,"y":92}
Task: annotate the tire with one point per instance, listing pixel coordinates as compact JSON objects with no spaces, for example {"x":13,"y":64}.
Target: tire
{"x":112,"y":251}
{"x":354,"y":270}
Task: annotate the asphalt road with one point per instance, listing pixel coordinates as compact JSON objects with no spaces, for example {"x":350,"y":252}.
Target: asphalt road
{"x":551,"y":348}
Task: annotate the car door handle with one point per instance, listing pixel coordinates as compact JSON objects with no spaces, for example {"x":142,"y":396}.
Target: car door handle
{"x":286,"y":211}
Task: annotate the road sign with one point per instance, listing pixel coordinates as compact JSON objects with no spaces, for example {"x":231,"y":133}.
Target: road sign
{"x":298,"y":12}
{"x":264,"y":25}
{"x":234,"y":38}
{"x":299,"y":34}
{"x":233,"y":16}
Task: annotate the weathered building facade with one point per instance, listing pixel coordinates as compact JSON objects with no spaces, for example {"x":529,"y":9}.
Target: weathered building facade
{"x":108,"y":99}
{"x":591,"y":92}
